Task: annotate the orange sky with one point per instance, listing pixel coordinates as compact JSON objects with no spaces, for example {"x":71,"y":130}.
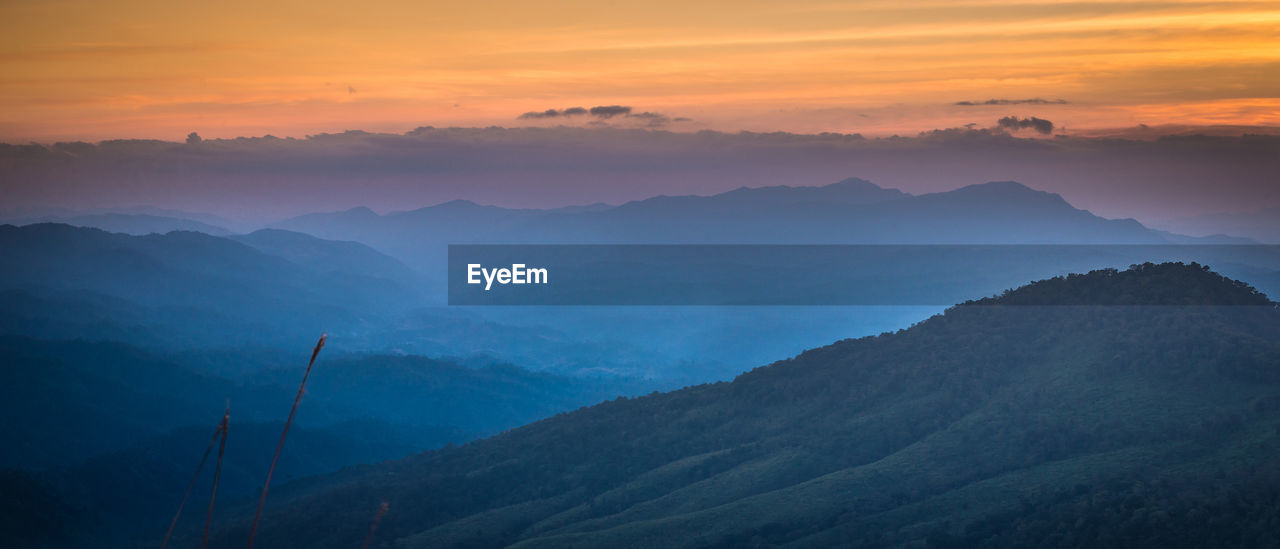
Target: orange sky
{"x":73,"y":69}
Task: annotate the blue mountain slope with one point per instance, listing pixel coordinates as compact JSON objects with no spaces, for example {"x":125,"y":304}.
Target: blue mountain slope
{"x":200,"y":290}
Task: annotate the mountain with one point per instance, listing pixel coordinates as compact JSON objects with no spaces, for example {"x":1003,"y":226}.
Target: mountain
{"x":346,"y":259}
{"x":130,"y":494}
{"x":135,"y":220}
{"x":263,"y":288}
{"x":134,"y":224}
{"x":110,"y":433}
{"x":416,"y":237}
{"x":855,"y":211}
{"x":1262,"y":225}
{"x":852,"y":211}
{"x":1116,"y":408}
{"x":763,"y":200}
{"x":1212,"y":239}
{"x":249,"y":296}
{"x":66,"y":400}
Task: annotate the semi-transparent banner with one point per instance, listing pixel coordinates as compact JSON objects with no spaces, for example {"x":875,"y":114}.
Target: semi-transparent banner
{"x":717,"y":274}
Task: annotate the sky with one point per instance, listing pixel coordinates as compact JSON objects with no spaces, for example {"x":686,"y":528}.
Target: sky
{"x":92,"y":70}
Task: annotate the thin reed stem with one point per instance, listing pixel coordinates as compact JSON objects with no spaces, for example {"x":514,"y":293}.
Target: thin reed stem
{"x":217,"y":472}
{"x":191,"y":485}
{"x":382,"y":511}
{"x":301,"y":388}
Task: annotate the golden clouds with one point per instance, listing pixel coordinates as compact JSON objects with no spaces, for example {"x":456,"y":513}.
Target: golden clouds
{"x":76,"y":69}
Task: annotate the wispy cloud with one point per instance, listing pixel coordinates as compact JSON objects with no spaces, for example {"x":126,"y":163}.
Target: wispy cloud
{"x":605,"y":113}
{"x":1032,"y":101}
{"x":552,"y":113}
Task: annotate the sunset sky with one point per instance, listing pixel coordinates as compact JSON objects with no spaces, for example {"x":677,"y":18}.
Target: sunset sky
{"x":93,"y":70}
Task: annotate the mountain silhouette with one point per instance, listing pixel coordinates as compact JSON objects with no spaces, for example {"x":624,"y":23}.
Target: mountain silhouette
{"x":849,"y":211}
{"x":852,"y":211}
{"x":266,"y":287}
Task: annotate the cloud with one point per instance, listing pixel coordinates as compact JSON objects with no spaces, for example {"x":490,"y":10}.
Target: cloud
{"x":603,"y":113}
{"x":610,"y":111}
{"x":549,"y":113}
{"x":552,"y":113}
{"x":652,"y":119}
{"x":1014,"y":123}
{"x":1032,"y":101}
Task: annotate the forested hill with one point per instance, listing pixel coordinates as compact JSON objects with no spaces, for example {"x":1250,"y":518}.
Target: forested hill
{"x":985,"y":426}
{"x":1145,"y":284}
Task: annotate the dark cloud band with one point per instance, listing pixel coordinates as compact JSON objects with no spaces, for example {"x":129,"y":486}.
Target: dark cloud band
{"x":610,"y":111}
{"x":1032,"y":101}
{"x":552,"y":113}
{"x":1014,"y":123}
{"x":605,"y":112}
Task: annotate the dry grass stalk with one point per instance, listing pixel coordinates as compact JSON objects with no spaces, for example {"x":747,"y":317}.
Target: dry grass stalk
{"x":216,"y":433}
{"x":382,"y":512}
{"x":217,"y":472}
{"x":301,"y":389}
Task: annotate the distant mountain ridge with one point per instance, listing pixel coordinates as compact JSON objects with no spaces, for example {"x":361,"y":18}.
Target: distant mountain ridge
{"x":140,"y":224}
{"x":263,"y":287}
{"x":1262,"y":225}
{"x":136,"y":220}
{"x":852,"y":211}
{"x":270,"y":289}
{"x":347,"y":258}
{"x":848,"y":192}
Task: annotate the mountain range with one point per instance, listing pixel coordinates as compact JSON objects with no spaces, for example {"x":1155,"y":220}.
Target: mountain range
{"x":377,"y":281}
{"x":252,"y":296}
{"x":848,"y":211}
{"x":135,"y":220}
{"x":225,"y":291}
{"x":109,"y":431}
{"x":1115,"y":408}
{"x":203,"y":318}
{"x":852,"y":211}
{"x":1103,"y":409}
{"x":1262,"y":225}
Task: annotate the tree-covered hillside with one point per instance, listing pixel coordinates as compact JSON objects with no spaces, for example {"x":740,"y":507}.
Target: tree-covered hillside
{"x":106,"y":435}
{"x":1034,"y":418}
